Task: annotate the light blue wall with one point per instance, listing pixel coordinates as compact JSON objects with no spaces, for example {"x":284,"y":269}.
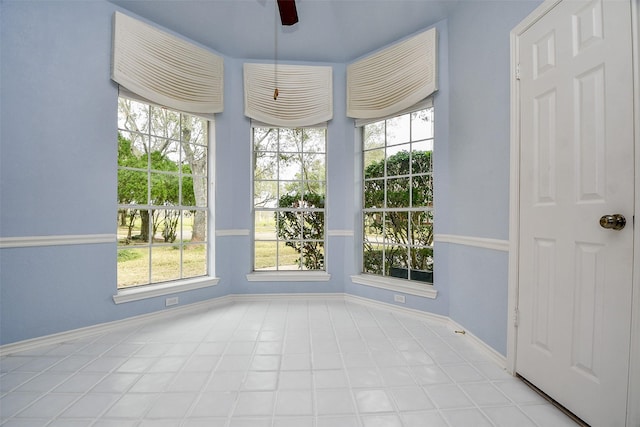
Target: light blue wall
{"x":478,"y":165}
{"x":57,"y":174}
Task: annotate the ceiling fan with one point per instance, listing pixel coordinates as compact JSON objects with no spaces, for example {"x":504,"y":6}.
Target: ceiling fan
{"x":288,"y":12}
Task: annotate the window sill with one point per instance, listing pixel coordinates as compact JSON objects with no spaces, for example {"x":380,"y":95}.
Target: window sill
{"x":398,"y":285}
{"x":294,"y":276}
{"x":151,"y":291}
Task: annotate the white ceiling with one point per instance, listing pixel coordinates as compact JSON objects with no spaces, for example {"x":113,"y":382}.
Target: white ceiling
{"x":327,"y":31}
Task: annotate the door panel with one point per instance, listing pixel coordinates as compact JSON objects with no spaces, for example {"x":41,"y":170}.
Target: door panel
{"x":576,"y":164}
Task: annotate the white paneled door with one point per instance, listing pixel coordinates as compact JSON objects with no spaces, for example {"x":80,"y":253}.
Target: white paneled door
{"x":577,"y":166}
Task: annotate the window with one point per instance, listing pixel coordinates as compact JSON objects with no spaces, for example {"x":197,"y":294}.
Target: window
{"x":398,"y":197}
{"x":162,"y":195}
{"x":289,"y":189}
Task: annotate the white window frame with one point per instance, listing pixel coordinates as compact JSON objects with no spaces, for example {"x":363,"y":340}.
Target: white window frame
{"x":405,"y":286}
{"x":286,"y":275}
{"x":152,"y":290}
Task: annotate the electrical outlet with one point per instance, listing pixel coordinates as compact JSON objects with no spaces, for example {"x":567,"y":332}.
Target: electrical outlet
{"x":171,"y":301}
{"x":399,"y":298}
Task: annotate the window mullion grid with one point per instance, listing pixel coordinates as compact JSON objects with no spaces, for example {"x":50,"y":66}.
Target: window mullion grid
{"x":278,"y":195}
{"x":149,"y":212}
{"x":156,"y":207}
{"x":301,"y":225}
{"x":180,"y":204}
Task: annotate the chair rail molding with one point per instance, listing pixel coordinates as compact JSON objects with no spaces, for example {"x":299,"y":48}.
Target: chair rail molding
{"x":59,"y":240}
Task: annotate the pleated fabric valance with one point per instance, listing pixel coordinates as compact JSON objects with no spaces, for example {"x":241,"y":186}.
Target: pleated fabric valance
{"x":164,"y":68}
{"x":393,"y":79}
{"x":305,"y":94}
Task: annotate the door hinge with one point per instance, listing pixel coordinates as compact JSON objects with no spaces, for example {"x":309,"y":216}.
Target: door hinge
{"x":517,"y":71}
{"x":516,"y":317}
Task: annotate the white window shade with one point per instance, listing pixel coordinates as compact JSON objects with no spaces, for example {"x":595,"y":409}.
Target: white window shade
{"x":164,"y":68}
{"x":393,"y":79}
{"x":305,"y":94}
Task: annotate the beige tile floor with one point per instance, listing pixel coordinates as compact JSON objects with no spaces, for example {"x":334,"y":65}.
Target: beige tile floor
{"x":315,"y":363}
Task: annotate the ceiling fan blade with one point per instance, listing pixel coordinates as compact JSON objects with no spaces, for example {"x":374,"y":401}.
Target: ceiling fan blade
{"x":288,"y":12}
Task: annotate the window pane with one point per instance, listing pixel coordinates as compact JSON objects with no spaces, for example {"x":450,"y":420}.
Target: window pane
{"x":169,"y":225}
{"x":422,"y":259}
{"x":422,"y":124}
{"x":373,"y":135}
{"x":313,"y":167}
{"x":374,"y":193}
{"x":420,"y":162}
{"x":194,"y":260}
{"x":265,"y":139}
{"x":372,"y":227}
{"x":315,"y":191}
{"x":133,"y":267}
{"x":290,"y":225}
{"x":128,"y":221}
{"x":422,"y":228}
{"x":372,"y":259}
{"x":195,"y":226}
{"x":160,"y":160}
{"x":290,"y":140}
{"x":265,"y":225}
{"x":265,"y":194}
{"x":201,"y":190}
{"x":165,"y":263}
{"x":313,"y":256}
{"x":314,"y":141}
{"x":398,"y":193}
{"x":164,"y":189}
{"x":133,"y":115}
{"x":422,"y":191}
{"x":194,"y":130}
{"x":398,"y":130}
{"x":422,"y":146}
{"x":132,"y":150}
{"x":187,"y":195}
{"x":266,"y":166}
{"x":266,"y":255}
{"x":293,"y":189}
{"x":172,"y":155}
{"x":374,"y":163}
{"x":396,"y":227}
{"x":398,"y":160}
{"x":165,"y":122}
{"x":141,"y":148}
{"x":290,"y":166}
{"x":396,"y":261}
{"x":194,"y":158}
{"x":313,"y":225}
{"x":132,"y":187}
{"x":289,"y":255}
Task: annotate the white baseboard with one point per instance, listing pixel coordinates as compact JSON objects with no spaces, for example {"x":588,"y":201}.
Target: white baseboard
{"x":490,"y":352}
{"x":231,"y":299}
{"x":402,"y":310}
{"x":287,"y":297}
{"x":101,"y":328}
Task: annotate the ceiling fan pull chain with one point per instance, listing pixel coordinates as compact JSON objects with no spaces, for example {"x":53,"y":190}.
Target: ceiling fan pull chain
{"x":276,"y":92}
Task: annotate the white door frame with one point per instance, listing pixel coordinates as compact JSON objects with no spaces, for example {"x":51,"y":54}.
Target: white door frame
{"x":633,"y":409}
